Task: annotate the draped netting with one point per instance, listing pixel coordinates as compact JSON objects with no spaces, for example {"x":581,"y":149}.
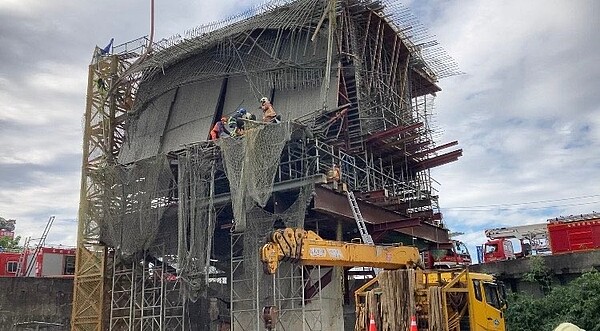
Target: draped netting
{"x":251,"y":164}
{"x":197,"y":218}
{"x":133,"y":202}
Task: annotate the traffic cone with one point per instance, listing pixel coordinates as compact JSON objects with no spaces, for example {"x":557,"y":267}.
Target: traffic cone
{"x":413,"y":323}
{"x":372,"y":326}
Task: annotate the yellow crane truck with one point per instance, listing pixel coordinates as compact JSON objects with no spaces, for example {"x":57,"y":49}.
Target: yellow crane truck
{"x":403,"y":296}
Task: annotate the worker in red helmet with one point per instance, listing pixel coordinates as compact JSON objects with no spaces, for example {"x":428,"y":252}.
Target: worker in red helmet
{"x":219,"y":129}
{"x":269,"y":114}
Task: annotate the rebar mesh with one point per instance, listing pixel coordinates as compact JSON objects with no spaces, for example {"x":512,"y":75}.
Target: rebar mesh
{"x":133,"y":202}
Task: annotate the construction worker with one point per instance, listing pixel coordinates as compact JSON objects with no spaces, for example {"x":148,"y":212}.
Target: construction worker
{"x":247,"y":115}
{"x":219,"y":128}
{"x":242,"y":113}
{"x":334,"y":174}
{"x":269,"y":114}
{"x":236,"y":121}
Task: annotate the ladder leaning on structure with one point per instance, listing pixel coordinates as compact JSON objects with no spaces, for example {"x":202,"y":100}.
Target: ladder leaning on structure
{"x":360,"y":221}
{"x":22,"y":258}
{"x":40,"y":245}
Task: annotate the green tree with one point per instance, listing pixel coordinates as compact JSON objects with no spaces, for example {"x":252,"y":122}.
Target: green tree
{"x":577,"y":302}
{"x":10,"y":243}
{"x":539,"y":273}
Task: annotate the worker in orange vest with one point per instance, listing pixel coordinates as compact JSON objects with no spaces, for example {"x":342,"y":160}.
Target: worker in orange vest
{"x":269,"y":114}
{"x":219,"y":128}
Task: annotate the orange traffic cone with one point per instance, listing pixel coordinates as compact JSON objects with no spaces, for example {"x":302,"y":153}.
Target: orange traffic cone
{"x":413,"y":323}
{"x":372,"y":326}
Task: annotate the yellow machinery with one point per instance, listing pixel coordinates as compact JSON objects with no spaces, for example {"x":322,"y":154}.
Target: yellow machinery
{"x":428,"y":299}
{"x":307,"y":248}
{"x":443,"y":300}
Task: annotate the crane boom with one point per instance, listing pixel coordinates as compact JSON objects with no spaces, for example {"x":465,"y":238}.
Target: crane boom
{"x":531,"y":231}
{"x":307,"y":248}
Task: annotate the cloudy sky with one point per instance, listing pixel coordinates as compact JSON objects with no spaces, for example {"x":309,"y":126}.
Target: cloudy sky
{"x":526,"y":112}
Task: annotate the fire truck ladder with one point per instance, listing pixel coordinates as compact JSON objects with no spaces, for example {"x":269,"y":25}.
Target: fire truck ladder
{"x":22,"y":257}
{"x":40,"y":245}
{"x":360,"y":223}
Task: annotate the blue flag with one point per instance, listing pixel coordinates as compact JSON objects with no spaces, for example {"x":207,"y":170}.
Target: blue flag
{"x":106,"y":49}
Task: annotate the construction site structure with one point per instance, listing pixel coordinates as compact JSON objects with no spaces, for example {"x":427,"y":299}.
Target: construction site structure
{"x":175,"y":221}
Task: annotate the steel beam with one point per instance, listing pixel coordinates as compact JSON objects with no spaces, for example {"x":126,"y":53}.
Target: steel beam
{"x":439,"y":160}
{"x":392,"y":132}
{"x":336,"y":204}
{"x":435,"y":149}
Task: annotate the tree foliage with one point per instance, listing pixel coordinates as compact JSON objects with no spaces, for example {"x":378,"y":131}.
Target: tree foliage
{"x":577,"y":302}
{"x":539,"y":273}
{"x":10,"y":243}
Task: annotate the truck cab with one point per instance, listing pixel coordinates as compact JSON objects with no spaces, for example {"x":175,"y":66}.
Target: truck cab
{"x":455,"y":256}
{"x":503,"y":249}
{"x":488,"y":302}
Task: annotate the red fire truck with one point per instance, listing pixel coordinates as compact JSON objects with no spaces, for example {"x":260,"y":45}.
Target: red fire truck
{"x":577,"y":235}
{"x":45,"y":262}
{"x":456,"y":256}
{"x":558,"y":235}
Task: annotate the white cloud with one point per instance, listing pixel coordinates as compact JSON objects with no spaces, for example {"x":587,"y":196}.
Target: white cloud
{"x":526,"y":113}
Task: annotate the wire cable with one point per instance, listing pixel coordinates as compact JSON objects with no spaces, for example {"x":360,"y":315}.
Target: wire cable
{"x":518,"y":207}
{"x":511,"y":205}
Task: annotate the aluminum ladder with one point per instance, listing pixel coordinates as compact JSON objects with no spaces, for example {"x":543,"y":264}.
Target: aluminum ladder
{"x":40,"y":245}
{"x":360,"y":223}
{"x":22,"y":257}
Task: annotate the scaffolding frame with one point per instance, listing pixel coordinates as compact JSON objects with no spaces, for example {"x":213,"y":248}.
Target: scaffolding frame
{"x":383,"y":82}
{"x":362,"y":173}
{"x":287,"y":289}
{"x":145,"y":296}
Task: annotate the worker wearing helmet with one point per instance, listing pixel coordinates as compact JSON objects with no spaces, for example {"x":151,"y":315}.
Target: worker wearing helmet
{"x":243,"y":113}
{"x":219,"y":129}
{"x":236,"y":121}
{"x":269,"y":114}
{"x":248,"y":116}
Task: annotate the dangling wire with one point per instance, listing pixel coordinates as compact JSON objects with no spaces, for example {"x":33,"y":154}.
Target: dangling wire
{"x":255,"y":92}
